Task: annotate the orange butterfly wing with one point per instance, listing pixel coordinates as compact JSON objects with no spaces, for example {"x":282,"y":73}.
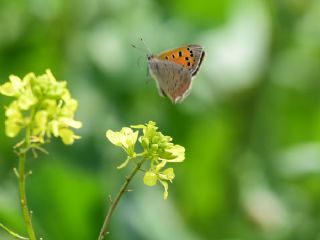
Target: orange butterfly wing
{"x":190,"y":57}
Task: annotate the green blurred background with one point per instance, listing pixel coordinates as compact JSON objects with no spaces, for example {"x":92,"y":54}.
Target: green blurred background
{"x":251,"y":126}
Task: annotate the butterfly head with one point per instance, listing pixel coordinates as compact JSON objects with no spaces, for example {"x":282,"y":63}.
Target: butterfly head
{"x":150,"y":57}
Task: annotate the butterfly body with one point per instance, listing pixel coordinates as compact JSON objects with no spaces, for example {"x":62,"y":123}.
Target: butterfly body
{"x":173,"y":70}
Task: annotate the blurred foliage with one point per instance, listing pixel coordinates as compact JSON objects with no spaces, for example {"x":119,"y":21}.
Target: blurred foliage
{"x":251,"y":126}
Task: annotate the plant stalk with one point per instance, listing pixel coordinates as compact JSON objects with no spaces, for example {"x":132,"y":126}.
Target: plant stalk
{"x":16,"y":235}
{"x":104,"y":229}
{"x":22,"y":189}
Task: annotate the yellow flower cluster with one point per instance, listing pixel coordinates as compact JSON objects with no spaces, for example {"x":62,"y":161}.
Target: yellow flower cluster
{"x":42,"y":105}
{"x":158,"y":148}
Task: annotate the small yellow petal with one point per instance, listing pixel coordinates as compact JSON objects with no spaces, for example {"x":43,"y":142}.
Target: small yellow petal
{"x":150,"y":179}
{"x":54,"y":125}
{"x":50,"y":76}
{"x":25,"y":101}
{"x":16,"y":82}
{"x":113,"y":137}
{"x":71,"y":122}
{"x":27,"y":78}
{"x":12,"y":129}
{"x":161,"y":165}
{"x":138,"y":126}
{"x":7,"y":89}
{"x":67,"y":136}
{"x":165,"y":186}
{"x":167,"y":174}
{"x":177,"y":151}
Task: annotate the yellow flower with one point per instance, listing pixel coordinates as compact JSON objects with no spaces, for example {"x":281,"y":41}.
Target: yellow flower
{"x":42,"y":104}
{"x":153,"y":175}
{"x":158,"y":150}
{"x":14,"y":121}
{"x":150,"y":179}
{"x":126,"y":139}
{"x":67,"y":136}
{"x":177,"y":154}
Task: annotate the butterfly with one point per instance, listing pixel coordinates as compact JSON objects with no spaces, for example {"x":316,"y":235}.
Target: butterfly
{"x":173,"y":70}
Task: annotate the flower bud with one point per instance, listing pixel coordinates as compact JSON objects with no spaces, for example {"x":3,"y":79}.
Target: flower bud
{"x":154,"y":147}
{"x":145,"y":142}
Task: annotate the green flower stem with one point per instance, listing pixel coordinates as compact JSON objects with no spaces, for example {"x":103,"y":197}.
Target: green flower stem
{"x":12,"y":233}
{"x":104,"y":229}
{"x":22,"y":188}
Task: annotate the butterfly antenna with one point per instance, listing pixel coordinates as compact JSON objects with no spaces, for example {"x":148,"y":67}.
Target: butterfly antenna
{"x":145,"y":45}
{"x":139,"y":48}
